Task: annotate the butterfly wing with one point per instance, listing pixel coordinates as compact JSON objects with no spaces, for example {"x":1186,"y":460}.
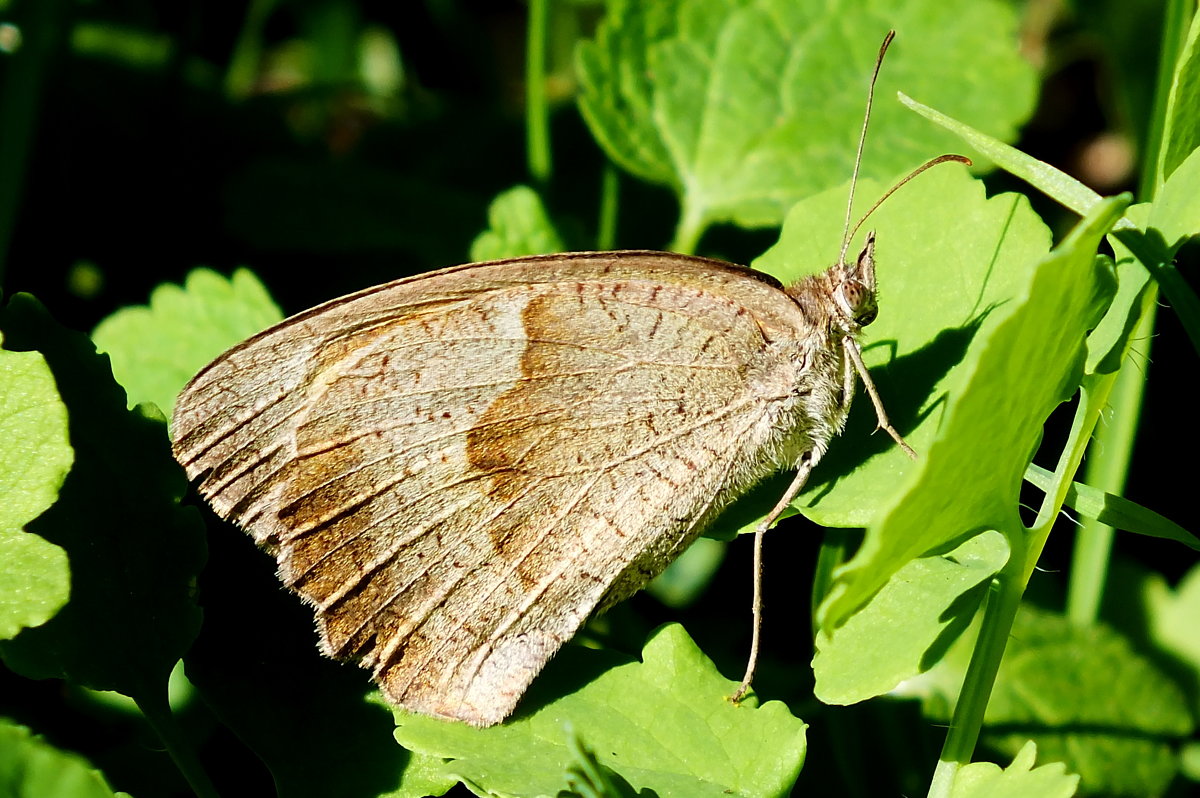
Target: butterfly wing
{"x":455,"y":470}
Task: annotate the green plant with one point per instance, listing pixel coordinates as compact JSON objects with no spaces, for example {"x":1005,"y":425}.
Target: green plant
{"x":746,"y":112}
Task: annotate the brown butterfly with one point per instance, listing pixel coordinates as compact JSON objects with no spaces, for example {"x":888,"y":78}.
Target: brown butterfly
{"x":457,"y":469}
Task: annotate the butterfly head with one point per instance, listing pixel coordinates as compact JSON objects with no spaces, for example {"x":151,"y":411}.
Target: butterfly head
{"x":854,"y":293}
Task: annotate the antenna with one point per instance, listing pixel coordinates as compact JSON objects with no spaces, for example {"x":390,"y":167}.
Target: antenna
{"x":862,"y":140}
{"x":931,"y":162}
{"x":848,"y":233}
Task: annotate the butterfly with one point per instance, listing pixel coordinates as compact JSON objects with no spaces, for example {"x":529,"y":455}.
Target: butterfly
{"x":456,"y":470}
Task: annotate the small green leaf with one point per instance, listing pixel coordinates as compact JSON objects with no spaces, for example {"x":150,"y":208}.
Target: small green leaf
{"x":35,"y":457}
{"x":1019,"y":780}
{"x":746,"y":107}
{"x":907,"y":625}
{"x":616,"y":98}
{"x":156,"y":349}
{"x":32,"y":768}
{"x":1114,"y":511}
{"x":517,"y":225}
{"x":1181,"y":128}
{"x":664,"y":724}
{"x":1189,"y":760}
{"x":1172,"y":616}
{"x":134,"y":552}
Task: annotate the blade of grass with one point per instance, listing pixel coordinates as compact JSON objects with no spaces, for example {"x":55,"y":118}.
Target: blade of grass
{"x":537,"y":115}
{"x":1093,"y":503}
{"x":1057,"y":185}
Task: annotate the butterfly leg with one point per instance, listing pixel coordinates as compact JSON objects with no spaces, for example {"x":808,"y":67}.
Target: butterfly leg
{"x":792,"y":491}
{"x":855,"y":355}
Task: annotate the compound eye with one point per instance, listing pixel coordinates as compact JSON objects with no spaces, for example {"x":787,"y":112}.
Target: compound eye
{"x":852,"y":295}
{"x":858,"y":302}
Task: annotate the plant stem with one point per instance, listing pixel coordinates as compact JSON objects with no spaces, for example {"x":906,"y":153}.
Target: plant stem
{"x":1107,"y":469}
{"x":1004,"y":599}
{"x":155,"y":707}
{"x":537,"y":125}
{"x":247,"y":50}
{"x":690,"y":228}
{"x":606,"y":232}
{"x":1092,"y":397}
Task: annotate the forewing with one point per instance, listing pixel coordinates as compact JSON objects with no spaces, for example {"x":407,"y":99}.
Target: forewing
{"x":456,"y":470}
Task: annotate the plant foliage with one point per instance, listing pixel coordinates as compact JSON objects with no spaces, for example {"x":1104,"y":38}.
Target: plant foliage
{"x":1011,"y":338}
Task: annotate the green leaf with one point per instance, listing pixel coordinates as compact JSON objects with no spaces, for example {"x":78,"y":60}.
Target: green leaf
{"x":423,"y":776}
{"x":1175,"y":213}
{"x":1171,"y":615}
{"x":585,"y":776}
{"x":1189,"y":760}
{"x":907,"y":625}
{"x":32,"y":768}
{"x":1084,"y":695}
{"x":1181,"y":129}
{"x":1111,"y":339}
{"x":1115,"y":511}
{"x":746,"y":107}
{"x":134,"y":551}
{"x":1090,"y":677}
{"x":686,"y":578}
{"x":1158,"y":618}
{"x":664,"y":724}
{"x":517,"y":225}
{"x":35,"y":578}
{"x":1174,"y":218}
{"x":1026,"y":357}
{"x":616,"y":98}
{"x":156,"y":349}
{"x":1019,"y":780}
